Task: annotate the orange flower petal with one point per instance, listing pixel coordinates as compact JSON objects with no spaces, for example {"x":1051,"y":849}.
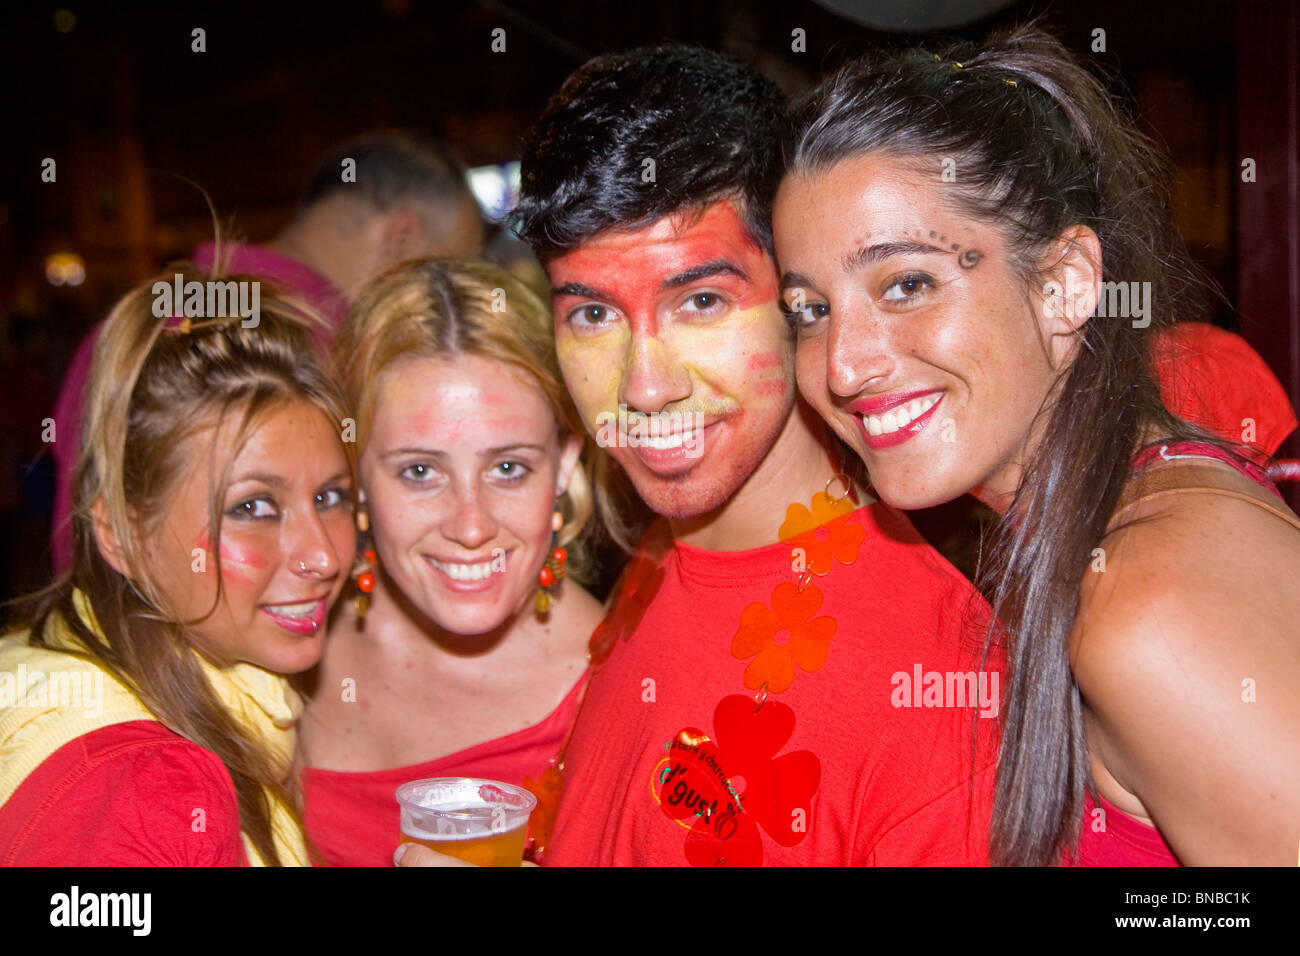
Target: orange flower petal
{"x":846,"y":542}
{"x":772,"y":665}
{"x":809,"y":644}
{"x":798,"y":520}
{"x":793,"y":606}
{"x":757,"y":628}
{"x":819,"y":558}
{"x":824,"y":509}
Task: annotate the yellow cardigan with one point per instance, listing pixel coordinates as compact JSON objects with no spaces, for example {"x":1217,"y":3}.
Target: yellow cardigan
{"x":48,"y":698}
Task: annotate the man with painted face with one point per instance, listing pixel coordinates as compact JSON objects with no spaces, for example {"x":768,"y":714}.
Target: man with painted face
{"x":789,"y":674}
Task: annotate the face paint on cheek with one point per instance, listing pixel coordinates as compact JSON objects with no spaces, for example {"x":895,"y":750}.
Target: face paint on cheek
{"x":593,"y":379}
{"x":772,"y":387}
{"x":239,"y":563}
{"x":236,"y":563}
{"x":769,"y":367}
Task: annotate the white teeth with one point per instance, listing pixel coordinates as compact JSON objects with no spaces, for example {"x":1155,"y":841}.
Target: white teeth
{"x":464,"y":572}
{"x":899,"y":416}
{"x":669,"y":441}
{"x":294,"y":610}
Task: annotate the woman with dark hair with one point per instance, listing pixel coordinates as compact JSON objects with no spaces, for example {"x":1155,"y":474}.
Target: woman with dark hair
{"x":976,"y":249}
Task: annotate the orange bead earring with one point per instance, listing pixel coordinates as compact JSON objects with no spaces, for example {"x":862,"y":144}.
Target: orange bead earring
{"x":553,"y":568}
{"x":363,"y":571}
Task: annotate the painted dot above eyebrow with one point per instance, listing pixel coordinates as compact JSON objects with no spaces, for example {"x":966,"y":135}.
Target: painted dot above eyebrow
{"x":933,"y":234}
{"x":955,"y":247}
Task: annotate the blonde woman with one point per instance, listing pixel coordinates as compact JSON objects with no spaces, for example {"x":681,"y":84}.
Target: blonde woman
{"x":467,"y":656}
{"x":213,"y":529}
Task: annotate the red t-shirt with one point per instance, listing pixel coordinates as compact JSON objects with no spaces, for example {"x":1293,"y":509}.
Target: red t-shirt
{"x":1214,"y":379}
{"x":131,"y":794}
{"x":849,"y":759}
{"x":353,"y":818}
{"x":68,"y":416}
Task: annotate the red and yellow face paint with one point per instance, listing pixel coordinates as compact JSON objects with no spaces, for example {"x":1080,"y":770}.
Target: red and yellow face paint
{"x":677,"y":326}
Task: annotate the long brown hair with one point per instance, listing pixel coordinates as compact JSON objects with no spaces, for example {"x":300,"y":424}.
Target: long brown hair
{"x":1038,"y":146}
{"x":154,"y":385}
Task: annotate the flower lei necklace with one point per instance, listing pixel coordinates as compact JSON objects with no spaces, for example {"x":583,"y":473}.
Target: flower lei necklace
{"x":724,"y":810}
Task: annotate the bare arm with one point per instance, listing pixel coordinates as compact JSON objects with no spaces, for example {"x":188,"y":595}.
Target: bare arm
{"x":1188,"y":657}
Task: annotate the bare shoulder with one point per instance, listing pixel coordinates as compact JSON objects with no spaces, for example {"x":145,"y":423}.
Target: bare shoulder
{"x":1187,"y":651}
{"x":1189,"y":574}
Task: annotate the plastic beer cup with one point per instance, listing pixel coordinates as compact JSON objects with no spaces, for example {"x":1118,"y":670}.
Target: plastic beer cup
{"x":483,"y":822}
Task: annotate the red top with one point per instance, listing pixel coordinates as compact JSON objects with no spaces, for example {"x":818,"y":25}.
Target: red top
{"x":353,"y":818}
{"x":68,"y":413}
{"x":1216,"y":380}
{"x":855,"y":756}
{"x":1110,"y":837}
{"x":132,"y":794}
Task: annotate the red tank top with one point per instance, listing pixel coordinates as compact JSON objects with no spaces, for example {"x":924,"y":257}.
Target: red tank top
{"x":353,"y":819}
{"x":1110,"y":837}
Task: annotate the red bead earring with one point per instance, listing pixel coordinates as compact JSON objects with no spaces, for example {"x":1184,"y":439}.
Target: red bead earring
{"x":363,"y":570}
{"x":553,"y":569}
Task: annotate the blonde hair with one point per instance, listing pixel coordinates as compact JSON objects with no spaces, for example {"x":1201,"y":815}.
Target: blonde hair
{"x":442,"y":308}
{"x":154,"y":385}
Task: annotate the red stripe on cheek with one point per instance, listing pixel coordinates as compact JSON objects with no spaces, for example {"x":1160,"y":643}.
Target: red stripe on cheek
{"x":230,"y":552}
{"x":776,"y":386}
{"x":236,"y":563}
{"x":765,"y":360}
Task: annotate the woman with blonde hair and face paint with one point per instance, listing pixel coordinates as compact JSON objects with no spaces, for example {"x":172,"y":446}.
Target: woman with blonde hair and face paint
{"x":464,"y":652}
{"x":955,"y":284}
{"x":151,"y":722}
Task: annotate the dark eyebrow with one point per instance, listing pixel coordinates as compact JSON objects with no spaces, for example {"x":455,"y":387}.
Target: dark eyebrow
{"x":793,"y":280}
{"x":579,"y":290}
{"x":714,"y":267}
{"x":883,"y":250}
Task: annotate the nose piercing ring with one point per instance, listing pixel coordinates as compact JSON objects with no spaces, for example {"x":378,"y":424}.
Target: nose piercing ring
{"x":302,"y":565}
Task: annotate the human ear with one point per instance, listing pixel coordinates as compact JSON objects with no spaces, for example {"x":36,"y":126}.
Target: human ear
{"x":569,"y":456}
{"x":1072,"y":276}
{"x":106,"y":538}
{"x":402,"y":235}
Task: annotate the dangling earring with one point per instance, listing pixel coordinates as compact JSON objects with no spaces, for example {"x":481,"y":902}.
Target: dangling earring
{"x":363,"y":575}
{"x":553,"y":569}
{"x":363,"y":570}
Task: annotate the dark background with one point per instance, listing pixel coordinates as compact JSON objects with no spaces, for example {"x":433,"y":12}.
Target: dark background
{"x":115,"y":95}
